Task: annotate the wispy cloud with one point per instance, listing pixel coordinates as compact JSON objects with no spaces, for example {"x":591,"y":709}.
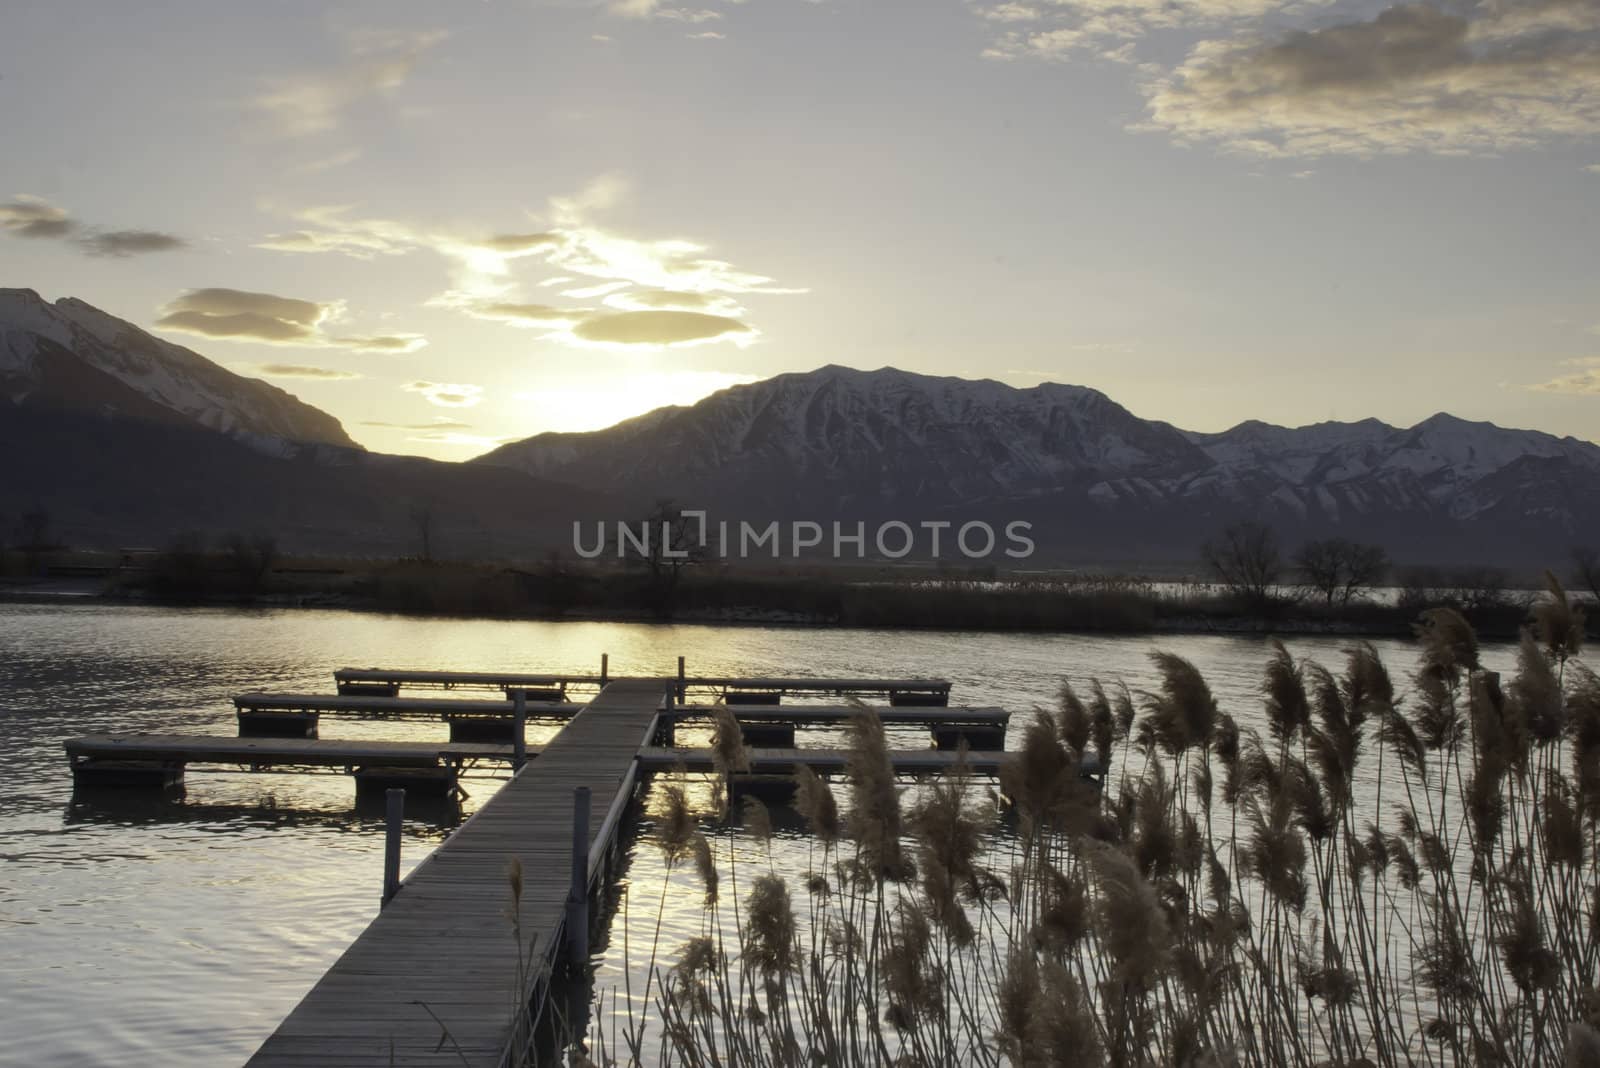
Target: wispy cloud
{"x":1056,"y":29}
{"x":447,"y":394}
{"x":31,"y":216}
{"x":661,"y":328}
{"x":35,"y":217}
{"x":655,"y":9}
{"x":300,"y":370}
{"x":376,"y":65}
{"x":240,"y":315}
{"x":1584,"y":381}
{"x":657,"y":292}
{"x":441,"y":423}
{"x":123,"y":243}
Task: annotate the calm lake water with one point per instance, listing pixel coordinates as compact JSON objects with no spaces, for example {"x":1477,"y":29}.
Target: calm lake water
{"x":180,"y":932}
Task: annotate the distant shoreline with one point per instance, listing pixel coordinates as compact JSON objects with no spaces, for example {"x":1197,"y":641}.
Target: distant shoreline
{"x":445,"y":590}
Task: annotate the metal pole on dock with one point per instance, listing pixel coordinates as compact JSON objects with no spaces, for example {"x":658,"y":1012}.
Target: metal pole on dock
{"x":605,"y":663}
{"x":578,"y":895}
{"x":519,"y":740}
{"x":394,"y":817}
{"x":682,"y":691}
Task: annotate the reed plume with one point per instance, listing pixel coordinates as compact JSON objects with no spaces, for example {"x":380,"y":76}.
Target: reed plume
{"x":815,"y":801}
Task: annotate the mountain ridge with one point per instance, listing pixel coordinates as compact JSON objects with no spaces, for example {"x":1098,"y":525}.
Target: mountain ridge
{"x":836,"y":442}
{"x":170,"y":376}
{"x":852,"y":442}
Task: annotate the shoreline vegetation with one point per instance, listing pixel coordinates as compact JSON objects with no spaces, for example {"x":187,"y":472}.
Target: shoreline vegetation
{"x":1386,"y":874}
{"x":250,"y":572}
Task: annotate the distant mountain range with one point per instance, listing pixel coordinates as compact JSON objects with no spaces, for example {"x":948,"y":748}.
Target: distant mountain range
{"x":1096,"y":480}
{"x":125,"y":438}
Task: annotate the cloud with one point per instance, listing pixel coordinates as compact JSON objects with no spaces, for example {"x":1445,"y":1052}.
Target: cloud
{"x":299,"y":370}
{"x":674,"y":290}
{"x":1593,"y":168}
{"x":30,"y":216}
{"x":1586,"y":381}
{"x":451,"y":437}
{"x":527,"y":314}
{"x":1054,"y":29}
{"x":708,"y":35}
{"x":1416,"y":77}
{"x":376,"y":65}
{"x":441,"y":423}
{"x":519,"y":244}
{"x":1583,"y":382}
{"x":660,"y":328}
{"x":447,"y":394}
{"x":240,"y":315}
{"x":123,"y":243}
{"x":36,"y":217}
{"x":674,"y":300}
{"x":654,"y":9}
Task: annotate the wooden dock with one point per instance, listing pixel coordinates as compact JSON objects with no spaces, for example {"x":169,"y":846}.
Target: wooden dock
{"x":388,"y":682}
{"x":445,"y":941}
{"x":834,"y":761}
{"x":934,"y":689}
{"x":438,"y":978}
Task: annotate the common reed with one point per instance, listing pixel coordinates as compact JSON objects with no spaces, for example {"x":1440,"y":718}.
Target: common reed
{"x":1384,"y":875}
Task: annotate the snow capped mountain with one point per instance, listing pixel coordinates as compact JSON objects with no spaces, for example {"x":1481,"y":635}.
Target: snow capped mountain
{"x":838,"y":441}
{"x":858,"y":437}
{"x":71,"y":354}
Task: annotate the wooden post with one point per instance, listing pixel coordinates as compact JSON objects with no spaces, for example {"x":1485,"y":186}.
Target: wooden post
{"x":519,"y":741}
{"x":394,"y":817}
{"x":605,"y":662}
{"x":578,"y":895}
{"x":682,"y":692}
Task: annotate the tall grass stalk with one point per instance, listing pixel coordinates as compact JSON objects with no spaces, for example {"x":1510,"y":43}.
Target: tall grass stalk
{"x":1382,"y":878}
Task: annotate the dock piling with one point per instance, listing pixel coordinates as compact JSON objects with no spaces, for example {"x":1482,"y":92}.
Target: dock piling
{"x":682,"y":691}
{"x":578,"y":894}
{"x":605,"y":667}
{"x":394,"y":818}
{"x":519,"y":740}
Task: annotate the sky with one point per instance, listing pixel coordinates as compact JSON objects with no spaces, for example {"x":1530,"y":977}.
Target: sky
{"x":455,"y":223}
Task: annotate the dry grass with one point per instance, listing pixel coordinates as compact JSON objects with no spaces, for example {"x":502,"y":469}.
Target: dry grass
{"x":1382,"y":878}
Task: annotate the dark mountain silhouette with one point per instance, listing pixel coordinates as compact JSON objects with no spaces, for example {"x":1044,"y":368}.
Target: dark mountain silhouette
{"x":1095,"y":480}
{"x":123,"y":439}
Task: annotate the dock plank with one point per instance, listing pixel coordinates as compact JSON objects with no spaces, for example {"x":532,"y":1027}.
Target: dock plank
{"x":445,"y":939}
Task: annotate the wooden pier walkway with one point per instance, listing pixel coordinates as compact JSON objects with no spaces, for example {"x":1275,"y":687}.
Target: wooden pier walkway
{"x":277,"y":752}
{"x":445,"y":941}
{"x":377,"y":680}
{"x":439,"y":978}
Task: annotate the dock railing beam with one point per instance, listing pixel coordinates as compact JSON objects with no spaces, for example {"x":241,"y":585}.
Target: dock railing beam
{"x":578,"y":894}
{"x":519,"y":740}
{"x":394,"y":819}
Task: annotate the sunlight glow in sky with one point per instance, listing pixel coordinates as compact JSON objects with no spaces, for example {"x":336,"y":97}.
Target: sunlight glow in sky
{"x":457,"y":224}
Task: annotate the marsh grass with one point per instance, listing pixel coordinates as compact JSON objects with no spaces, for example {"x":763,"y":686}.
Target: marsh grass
{"x":1387,"y":875}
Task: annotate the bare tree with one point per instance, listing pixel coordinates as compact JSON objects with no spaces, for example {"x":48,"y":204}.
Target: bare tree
{"x":422,"y":519}
{"x":1245,"y":560}
{"x":1338,"y":568}
{"x":671,"y":541}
